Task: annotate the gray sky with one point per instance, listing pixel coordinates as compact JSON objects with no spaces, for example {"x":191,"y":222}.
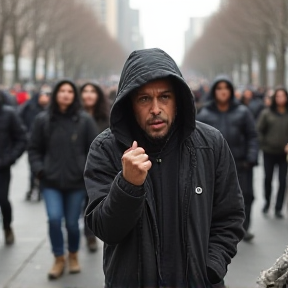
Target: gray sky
{"x":164,"y":22}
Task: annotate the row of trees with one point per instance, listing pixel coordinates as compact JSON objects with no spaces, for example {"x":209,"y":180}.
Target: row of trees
{"x":65,"y":32}
{"x":240,"y":32}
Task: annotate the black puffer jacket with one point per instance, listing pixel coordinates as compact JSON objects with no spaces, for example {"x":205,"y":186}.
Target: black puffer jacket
{"x":236,"y":125}
{"x":28,"y":111}
{"x":60,"y":142}
{"x":12,"y":136}
{"x":212,"y":219}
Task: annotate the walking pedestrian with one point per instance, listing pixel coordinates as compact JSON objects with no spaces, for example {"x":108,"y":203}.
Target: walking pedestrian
{"x":237,"y":125}
{"x":27,"y":112}
{"x":163,"y":189}
{"x":58,"y":148}
{"x":272,"y":129}
{"x":12,"y":145}
{"x":95,"y":103}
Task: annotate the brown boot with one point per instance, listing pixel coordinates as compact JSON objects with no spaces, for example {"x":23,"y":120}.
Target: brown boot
{"x":91,"y":243}
{"x":57,"y":268}
{"x":9,"y":236}
{"x":74,"y":266}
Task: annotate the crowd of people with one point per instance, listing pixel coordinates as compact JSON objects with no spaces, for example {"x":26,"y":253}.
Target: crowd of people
{"x":137,"y":160}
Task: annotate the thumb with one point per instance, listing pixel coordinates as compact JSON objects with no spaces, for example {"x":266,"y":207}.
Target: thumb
{"x":134,"y":145}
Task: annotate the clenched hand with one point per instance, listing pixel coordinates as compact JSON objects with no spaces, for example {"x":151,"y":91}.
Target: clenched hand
{"x":135,"y":165}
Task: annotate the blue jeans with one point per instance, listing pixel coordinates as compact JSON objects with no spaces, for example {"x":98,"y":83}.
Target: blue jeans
{"x":67,"y":205}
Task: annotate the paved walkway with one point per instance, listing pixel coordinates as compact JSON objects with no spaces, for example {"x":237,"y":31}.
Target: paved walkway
{"x":26,"y":263}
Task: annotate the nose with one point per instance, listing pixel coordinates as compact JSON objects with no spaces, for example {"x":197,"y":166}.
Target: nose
{"x":155,"y":109}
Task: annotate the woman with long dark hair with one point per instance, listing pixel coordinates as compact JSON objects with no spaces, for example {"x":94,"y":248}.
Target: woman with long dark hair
{"x":272,"y":128}
{"x":96,"y":104}
{"x":58,"y":147}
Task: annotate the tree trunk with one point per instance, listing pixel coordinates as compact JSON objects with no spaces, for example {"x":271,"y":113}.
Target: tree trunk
{"x":262,"y":58}
{"x":281,"y":65}
{"x":249,"y":63}
{"x":46,"y":60}
{"x":34,"y":63}
{"x":16,"y":64}
{"x":1,"y":68}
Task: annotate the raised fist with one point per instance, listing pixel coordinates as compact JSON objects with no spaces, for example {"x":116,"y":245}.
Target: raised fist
{"x":136,"y":165}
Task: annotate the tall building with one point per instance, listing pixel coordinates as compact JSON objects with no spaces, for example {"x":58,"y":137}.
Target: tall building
{"x":196,"y":27}
{"x":107,"y":14}
{"x":128,"y":27}
{"x":120,"y":20}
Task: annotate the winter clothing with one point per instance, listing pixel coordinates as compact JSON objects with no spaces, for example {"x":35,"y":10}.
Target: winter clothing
{"x":12,"y":145}
{"x":29,"y":110}
{"x":57,"y":151}
{"x":74,"y":266}
{"x":238,"y":128}
{"x":272,"y":132}
{"x":209,"y":206}
{"x":57,"y":268}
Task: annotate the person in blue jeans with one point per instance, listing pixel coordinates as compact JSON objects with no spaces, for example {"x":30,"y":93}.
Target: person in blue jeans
{"x":59,"y":143}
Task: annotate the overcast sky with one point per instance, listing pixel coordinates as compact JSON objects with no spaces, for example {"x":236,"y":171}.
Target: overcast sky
{"x":163,"y":22}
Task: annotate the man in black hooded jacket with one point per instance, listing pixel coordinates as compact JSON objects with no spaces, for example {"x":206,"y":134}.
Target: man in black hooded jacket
{"x":12,"y":145}
{"x":236,"y":123}
{"x":163,"y":189}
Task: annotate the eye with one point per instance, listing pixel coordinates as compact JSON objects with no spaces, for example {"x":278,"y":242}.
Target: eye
{"x":143,"y":99}
{"x":165,"y":97}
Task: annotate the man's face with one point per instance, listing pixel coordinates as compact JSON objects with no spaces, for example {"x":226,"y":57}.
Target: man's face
{"x":222,"y":92}
{"x":154,"y":107}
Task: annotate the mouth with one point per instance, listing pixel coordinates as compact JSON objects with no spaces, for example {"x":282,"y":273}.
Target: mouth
{"x":157,"y":124}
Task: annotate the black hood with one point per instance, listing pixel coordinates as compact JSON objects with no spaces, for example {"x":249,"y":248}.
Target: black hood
{"x":141,"y":67}
{"x":218,"y":79}
{"x":211,"y":97}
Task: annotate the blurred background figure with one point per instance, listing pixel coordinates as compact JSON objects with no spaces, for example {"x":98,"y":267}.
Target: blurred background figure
{"x":19,"y":93}
{"x":254,"y":104}
{"x":272,"y":129}
{"x":12,"y":145}
{"x":58,"y":147}
{"x":97,"y":105}
{"x":236,"y":123}
{"x":27,"y":112}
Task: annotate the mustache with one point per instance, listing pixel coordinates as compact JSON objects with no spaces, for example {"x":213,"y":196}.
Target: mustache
{"x":156,"y":118}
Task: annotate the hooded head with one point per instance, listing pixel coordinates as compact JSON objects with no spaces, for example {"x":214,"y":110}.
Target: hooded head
{"x":216,"y":85}
{"x":73,"y":108}
{"x":142,"y":67}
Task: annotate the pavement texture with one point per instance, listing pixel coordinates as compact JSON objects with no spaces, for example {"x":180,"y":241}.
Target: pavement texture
{"x":26,"y":263}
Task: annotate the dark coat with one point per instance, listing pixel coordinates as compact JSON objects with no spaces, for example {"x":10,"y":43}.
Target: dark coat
{"x":28,"y":111}
{"x":211,"y":219}
{"x":12,"y":136}
{"x":58,"y":149}
{"x":237,"y":125}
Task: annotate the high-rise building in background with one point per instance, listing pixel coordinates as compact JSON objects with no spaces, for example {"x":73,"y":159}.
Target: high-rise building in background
{"x":120,"y":21}
{"x":196,"y":28}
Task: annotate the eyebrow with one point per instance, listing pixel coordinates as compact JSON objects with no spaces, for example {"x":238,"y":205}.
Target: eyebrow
{"x":144,"y":93}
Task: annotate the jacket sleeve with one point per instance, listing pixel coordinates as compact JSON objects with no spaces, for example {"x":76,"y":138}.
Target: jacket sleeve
{"x":114,"y":206}
{"x":36,"y":145}
{"x":92,"y":132}
{"x":228,"y":213}
{"x":251,"y":139}
{"x":261,"y":126}
{"x":18,"y":140}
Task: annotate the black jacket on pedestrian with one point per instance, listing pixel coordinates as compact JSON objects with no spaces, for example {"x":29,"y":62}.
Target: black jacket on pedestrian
{"x":125,"y":216}
{"x":29,"y":110}
{"x":12,"y":136}
{"x":236,"y":125}
{"x":59,"y":145}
